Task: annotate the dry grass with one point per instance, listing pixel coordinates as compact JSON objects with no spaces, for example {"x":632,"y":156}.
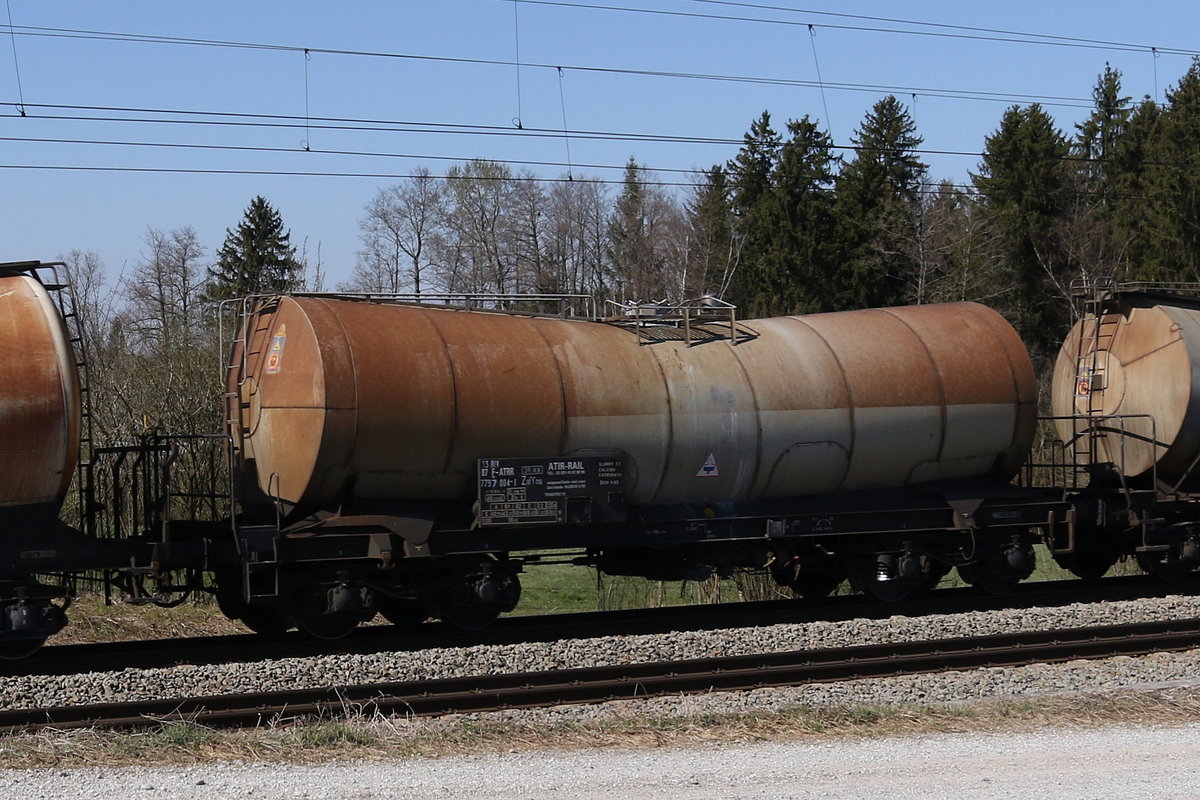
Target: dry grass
{"x":93,"y":621}
{"x":354,"y":736}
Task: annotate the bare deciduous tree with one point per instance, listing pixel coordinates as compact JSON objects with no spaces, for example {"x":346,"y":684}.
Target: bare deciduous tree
{"x":397,"y":234}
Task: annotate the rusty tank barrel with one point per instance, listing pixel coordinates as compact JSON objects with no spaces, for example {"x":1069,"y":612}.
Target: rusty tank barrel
{"x":39,"y":396}
{"x":1132,"y":375}
{"x":337,"y":400}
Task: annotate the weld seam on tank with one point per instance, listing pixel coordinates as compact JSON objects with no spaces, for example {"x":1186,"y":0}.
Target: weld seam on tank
{"x":565,"y":414}
{"x":1187,"y":441}
{"x":353,"y":363}
{"x":759,"y":452}
{"x":449,"y":364}
{"x":1013,"y":369}
{"x":850,"y":406}
{"x":943,"y":410}
{"x":670,"y":439}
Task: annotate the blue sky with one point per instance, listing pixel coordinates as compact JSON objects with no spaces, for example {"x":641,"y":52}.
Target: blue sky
{"x":449,"y":79}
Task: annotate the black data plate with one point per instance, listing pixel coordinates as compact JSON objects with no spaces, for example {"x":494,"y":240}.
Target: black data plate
{"x":541,"y":491}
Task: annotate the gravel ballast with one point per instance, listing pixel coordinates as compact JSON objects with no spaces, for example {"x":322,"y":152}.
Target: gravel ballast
{"x":325,"y":671}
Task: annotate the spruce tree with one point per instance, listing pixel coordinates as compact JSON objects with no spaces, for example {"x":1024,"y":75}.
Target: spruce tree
{"x":781,"y":192}
{"x":750,"y":287}
{"x":1133,"y":189}
{"x":1096,"y":243}
{"x":1098,"y":137}
{"x":1021,"y":187}
{"x":257,"y":258}
{"x":712,"y":225}
{"x":801,"y":262}
{"x":1168,"y":213}
{"x":878,"y":198}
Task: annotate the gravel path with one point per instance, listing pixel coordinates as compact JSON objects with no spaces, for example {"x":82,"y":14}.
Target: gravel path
{"x":1133,"y":764}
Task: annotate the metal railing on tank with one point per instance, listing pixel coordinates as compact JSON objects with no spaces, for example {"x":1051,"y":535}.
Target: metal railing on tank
{"x":692,"y":321}
{"x":573,"y":306}
{"x":140,"y":488}
{"x":1076,"y":463}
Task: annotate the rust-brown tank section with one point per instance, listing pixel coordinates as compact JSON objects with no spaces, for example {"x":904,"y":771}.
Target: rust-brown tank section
{"x":343,"y":400}
{"x":1136,"y":374}
{"x":39,"y":396}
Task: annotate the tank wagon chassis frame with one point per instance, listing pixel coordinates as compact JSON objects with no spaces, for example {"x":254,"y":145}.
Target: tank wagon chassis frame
{"x":888,"y":546}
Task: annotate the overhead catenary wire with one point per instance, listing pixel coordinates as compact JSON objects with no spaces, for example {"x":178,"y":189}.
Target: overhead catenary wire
{"x":961,"y":32}
{"x":16,"y":62}
{"x":812,"y":40}
{"x":240,"y":119}
{"x":517,"y":49}
{"x":959,"y":94}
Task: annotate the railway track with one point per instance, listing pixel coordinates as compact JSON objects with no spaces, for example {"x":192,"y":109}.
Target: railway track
{"x":148,"y":654}
{"x":629,"y":681}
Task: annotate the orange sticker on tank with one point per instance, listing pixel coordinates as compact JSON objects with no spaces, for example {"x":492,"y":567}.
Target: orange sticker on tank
{"x":275,"y":356}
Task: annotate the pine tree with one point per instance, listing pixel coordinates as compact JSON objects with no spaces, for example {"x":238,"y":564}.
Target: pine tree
{"x":781,"y":192}
{"x":257,"y":258}
{"x":1021,"y":186}
{"x":712,"y":226}
{"x":1170,"y":211}
{"x":800,"y":261}
{"x":878,"y":198}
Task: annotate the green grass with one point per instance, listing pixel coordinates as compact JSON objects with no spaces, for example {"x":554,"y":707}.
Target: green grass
{"x":564,"y":588}
{"x":557,"y":589}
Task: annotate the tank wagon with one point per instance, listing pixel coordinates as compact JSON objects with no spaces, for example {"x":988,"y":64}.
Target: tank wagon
{"x":434,"y":444}
{"x":396,"y":458}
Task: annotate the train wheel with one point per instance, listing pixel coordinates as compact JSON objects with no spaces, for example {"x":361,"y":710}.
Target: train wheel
{"x":1088,"y":566}
{"x":467,"y":617}
{"x":999,"y":571}
{"x":475,"y":603}
{"x":331,"y":611}
{"x":814,"y":584}
{"x":812,"y":578}
{"x":1170,"y":570}
{"x":266,"y":620}
{"x":326,"y":626}
{"x":891,"y":577}
{"x":16,"y":649}
{"x":402,"y":612}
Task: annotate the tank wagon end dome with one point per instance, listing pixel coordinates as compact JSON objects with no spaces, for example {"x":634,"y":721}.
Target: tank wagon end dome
{"x":1133,"y":376}
{"x":40,"y":407}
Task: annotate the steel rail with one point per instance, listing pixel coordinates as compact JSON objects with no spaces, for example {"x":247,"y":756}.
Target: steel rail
{"x":627,"y":681}
{"x":153,"y":653}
